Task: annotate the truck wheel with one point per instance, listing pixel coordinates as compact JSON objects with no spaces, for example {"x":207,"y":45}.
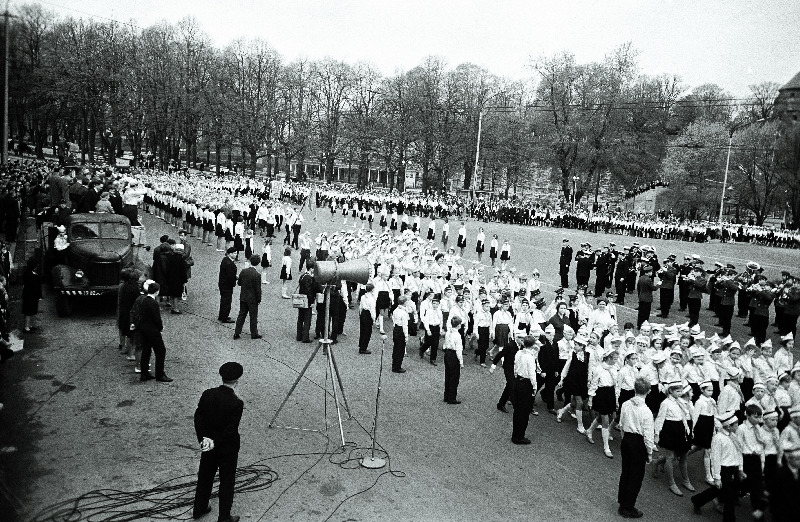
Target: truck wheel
{"x":63,"y":305}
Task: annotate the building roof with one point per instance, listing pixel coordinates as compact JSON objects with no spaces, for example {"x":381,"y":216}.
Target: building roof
{"x":794,"y":83}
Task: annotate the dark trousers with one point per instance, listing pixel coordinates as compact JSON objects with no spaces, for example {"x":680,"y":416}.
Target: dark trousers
{"x":694,"y":311}
{"x":683,"y":296}
{"x":600,"y":284}
{"x":725,"y":316}
{"x":778,"y":315}
{"x":319,"y":327}
{"x":759,"y":325}
{"x":483,"y":343}
{"x":634,"y":460}
{"x":550,"y":382}
{"x":225,"y":300}
{"x":522,"y":399}
{"x":247,"y":308}
{"x":399,"y":350}
{"x":432,"y":341}
{"x":210,"y":462}
{"x":727,"y":495}
{"x":788,"y":324}
{"x":582,"y":280}
{"x":621,"y":287}
{"x":304,"y":255}
{"x":152,"y":341}
{"x":563,"y":271}
{"x":295,"y":234}
{"x":644,"y":312}
{"x":743,"y":303}
{"x":666,"y":296}
{"x":506,"y":395}
{"x":364,"y":330}
{"x":452,"y":374}
{"x":754,"y":483}
{"x":303,"y":324}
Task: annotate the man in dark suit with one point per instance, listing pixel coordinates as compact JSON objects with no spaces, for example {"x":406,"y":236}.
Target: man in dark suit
{"x":666,"y":294}
{"x":645,"y":286}
{"x":620,"y":279}
{"x":226,"y":282}
{"x":564,"y":261}
{"x":91,"y":197}
{"x":507,"y":354}
{"x":249,"y":298}
{"x":149,"y":326}
{"x":216,"y":423}
{"x":584,"y":262}
{"x":307,"y":287}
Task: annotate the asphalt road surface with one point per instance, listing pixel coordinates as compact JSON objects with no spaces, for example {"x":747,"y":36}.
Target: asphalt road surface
{"x":81,"y":420}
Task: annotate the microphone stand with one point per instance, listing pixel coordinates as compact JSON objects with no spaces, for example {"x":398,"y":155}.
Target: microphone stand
{"x":374,"y":462}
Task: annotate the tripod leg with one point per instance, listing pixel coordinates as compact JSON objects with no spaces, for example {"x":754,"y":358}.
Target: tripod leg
{"x":291,"y":390}
{"x":339,"y":379}
{"x":335,"y":394}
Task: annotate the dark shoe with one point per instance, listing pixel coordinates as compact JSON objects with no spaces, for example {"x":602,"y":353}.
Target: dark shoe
{"x":364,"y":352}
{"x":163,"y":378}
{"x":502,"y":408}
{"x":227,"y":320}
{"x":256,"y":336}
{"x":197,"y":515}
{"x":146,"y":376}
{"x":697,"y":509}
{"x":523,"y":440}
{"x":453,"y":402}
{"x":236,"y":336}
{"x":401,"y":370}
{"x":631,"y":513}
{"x":434,"y":363}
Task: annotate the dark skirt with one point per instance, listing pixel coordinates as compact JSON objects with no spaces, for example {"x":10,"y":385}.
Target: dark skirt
{"x":461,"y":242}
{"x":394,"y":225}
{"x":383,"y":302}
{"x":654,"y":399}
{"x":219,"y":232}
{"x":238,"y":244}
{"x":703,"y":431}
{"x":604,"y":401}
{"x":265,"y":261}
{"x":431,"y":234}
{"x":479,"y":248}
{"x":673,"y":437}
{"x":493,"y":253}
{"x":30,"y":305}
{"x":383,"y":221}
{"x":208,"y":225}
{"x":504,"y":256}
{"x":575,"y":388}
{"x":501,"y":332}
{"x":284,"y":275}
{"x":625,"y":395}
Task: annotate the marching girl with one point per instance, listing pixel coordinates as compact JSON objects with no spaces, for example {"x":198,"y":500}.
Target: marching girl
{"x":481,"y":244}
{"x":383,"y":292}
{"x":493,"y":249}
{"x":445,"y":233}
{"x":344,"y":213}
{"x":694,"y":372}
{"x":462,"y":238}
{"x":248,"y":244}
{"x":483,"y":323}
{"x":431,"y":230}
{"x":208,"y":225}
{"x":286,"y":270}
{"x":332,"y":207}
{"x":354,"y":211}
{"x":238,"y":238}
{"x":219,"y":230}
{"x":602,"y":397}
{"x":523,"y":318}
{"x":575,"y":382}
{"x":783,"y":399}
{"x":672,"y":433}
{"x":627,"y":375}
{"x":652,"y":372}
{"x":501,"y":326}
{"x":383,"y":221}
{"x":703,"y":425}
{"x":505,"y":254}
{"x":362,"y":214}
{"x":371,"y":217}
{"x":393,"y":222}
{"x":415,"y":226}
{"x":745,"y":364}
{"x":266,"y":259}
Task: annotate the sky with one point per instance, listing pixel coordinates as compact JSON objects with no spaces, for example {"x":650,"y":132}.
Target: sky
{"x":733,"y":43}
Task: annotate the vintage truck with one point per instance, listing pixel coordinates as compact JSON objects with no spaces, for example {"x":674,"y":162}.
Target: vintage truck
{"x":99,"y":248}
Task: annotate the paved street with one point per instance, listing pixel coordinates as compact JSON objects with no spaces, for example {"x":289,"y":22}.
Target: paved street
{"x":82,"y":421}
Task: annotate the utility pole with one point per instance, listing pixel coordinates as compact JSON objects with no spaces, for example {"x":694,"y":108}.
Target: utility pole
{"x":4,"y":150}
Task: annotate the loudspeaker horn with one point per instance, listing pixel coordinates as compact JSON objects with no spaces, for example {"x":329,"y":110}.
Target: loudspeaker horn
{"x":355,"y":270}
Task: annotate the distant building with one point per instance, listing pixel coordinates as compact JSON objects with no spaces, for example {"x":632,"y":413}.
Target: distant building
{"x":787,"y":104}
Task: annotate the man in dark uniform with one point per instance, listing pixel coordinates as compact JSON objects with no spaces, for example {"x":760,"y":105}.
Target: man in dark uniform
{"x":621,"y":278}
{"x":601,"y":260}
{"x":584,"y":261}
{"x":564,"y":261}
{"x":249,"y":298}
{"x":507,"y":354}
{"x":227,"y":280}
{"x":666,"y":293}
{"x":645,"y":287}
{"x":216,"y":423}
{"x":683,"y":284}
